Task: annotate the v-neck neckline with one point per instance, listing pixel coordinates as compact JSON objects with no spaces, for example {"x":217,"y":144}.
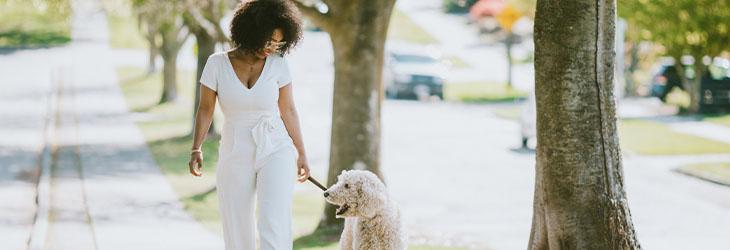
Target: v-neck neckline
{"x":241,"y":83}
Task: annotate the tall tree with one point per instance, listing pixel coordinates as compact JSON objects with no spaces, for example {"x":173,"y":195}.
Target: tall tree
{"x":579,"y":202}
{"x":147,"y":25}
{"x":358,"y":30}
{"x":165,"y":17}
{"x":203,"y":18}
{"x":697,"y":28}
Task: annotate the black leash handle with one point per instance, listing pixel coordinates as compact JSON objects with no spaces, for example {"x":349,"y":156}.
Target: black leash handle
{"x":320,"y":186}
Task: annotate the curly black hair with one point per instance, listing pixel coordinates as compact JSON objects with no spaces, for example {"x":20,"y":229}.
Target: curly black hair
{"x":255,"y":21}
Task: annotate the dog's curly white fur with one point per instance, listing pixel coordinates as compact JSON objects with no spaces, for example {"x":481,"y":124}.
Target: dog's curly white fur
{"x":372,"y":218}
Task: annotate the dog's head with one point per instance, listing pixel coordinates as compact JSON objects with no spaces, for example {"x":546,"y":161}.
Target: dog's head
{"x":359,"y":193}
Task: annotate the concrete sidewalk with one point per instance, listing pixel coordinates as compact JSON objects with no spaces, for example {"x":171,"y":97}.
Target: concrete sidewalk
{"x":26,"y":82}
{"x":106,"y":191}
{"x":129,"y":203}
{"x":702,"y":129}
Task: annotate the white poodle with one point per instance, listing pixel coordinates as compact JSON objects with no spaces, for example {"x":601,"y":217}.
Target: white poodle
{"x":372,"y":219}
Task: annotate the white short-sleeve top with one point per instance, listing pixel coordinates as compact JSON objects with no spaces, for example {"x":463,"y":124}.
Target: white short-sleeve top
{"x":233,"y":95}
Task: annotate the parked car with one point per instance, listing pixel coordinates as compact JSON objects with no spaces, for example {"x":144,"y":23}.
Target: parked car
{"x":714,"y":85}
{"x":412,"y":73}
{"x":665,"y":78}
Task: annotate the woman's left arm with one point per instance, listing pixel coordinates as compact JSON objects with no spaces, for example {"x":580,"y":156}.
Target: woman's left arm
{"x":291,"y":120}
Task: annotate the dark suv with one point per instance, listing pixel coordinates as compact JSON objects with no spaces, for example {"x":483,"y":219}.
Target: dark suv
{"x":714,"y":86}
{"x":715,"y":91}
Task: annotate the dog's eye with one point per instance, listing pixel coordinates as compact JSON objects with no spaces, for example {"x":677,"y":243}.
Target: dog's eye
{"x":347,"y":185}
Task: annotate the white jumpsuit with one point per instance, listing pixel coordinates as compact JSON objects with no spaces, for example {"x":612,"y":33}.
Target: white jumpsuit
{"x":256,"y":156}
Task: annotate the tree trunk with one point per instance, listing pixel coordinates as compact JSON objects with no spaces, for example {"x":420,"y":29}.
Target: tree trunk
{"x":580,"y":202}
{"x":358,"y":39}
{"x":153,"y":51}
{"x":169,"y":76}
{"x":173,"y":38}
{"x":695,"y":86}
{"x":633,"y":66}
{"x":206,"y":47}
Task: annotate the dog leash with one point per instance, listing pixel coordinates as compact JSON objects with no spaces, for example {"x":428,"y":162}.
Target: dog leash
{"x":316,"y":183}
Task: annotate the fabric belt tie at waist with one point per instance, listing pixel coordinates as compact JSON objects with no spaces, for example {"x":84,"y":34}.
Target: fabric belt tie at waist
{"x":262,"y":134}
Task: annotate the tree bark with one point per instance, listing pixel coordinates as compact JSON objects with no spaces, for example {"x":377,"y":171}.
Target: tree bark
{"x":633,"y":65}
{"x":173,"y":36}
{"x":147,"y":26}
{"x":695,"y":87}
{"x":169,"y":76}
{"x":358,"y":30}
{"x":153,"y":52}
{"x":579,"y":202}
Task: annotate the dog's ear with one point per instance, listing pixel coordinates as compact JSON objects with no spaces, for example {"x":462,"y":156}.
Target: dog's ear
{"x":375,"y":195}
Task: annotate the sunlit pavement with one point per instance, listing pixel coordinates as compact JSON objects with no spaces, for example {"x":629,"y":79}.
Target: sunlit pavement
{"x":454,"y":168}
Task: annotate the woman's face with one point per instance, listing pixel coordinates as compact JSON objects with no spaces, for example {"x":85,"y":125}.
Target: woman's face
{"x":273,"y":45}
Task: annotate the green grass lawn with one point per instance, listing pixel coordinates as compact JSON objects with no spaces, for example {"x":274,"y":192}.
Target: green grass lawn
{"x":715,"y":172}
{"x":481,"y":92}
{"x":402,"y":28}
{"x":123,"y":25}
{"x":653,"y":138}
{"x":646,"y":137}
{"x":165,"y":128}
{"x":457,"y":63}
{"x":32,"y":24}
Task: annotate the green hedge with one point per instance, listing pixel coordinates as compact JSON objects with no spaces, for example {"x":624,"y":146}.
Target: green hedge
{"x":34,"y":23}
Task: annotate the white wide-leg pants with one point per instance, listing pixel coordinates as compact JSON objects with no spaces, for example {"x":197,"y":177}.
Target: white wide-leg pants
{"x":268,"y":180}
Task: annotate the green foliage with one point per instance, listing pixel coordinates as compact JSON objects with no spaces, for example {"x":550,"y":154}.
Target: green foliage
{"x":164,"y":18}
{"x":682,"y":27}
{"x":694,"y":27}
{"x":123,"y":25}
{"x":34,"y":23}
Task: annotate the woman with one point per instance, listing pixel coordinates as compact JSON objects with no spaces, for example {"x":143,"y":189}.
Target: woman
{"x":261,"y":149}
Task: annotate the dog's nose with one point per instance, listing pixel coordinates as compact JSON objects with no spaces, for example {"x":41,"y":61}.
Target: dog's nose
{"x":326,"y":194}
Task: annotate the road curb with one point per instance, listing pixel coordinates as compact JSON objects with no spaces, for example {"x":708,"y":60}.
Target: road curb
{"x":702,"y":176}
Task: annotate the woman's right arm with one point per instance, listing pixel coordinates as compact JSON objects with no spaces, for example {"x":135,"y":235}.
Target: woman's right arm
{"x":203,"y":119}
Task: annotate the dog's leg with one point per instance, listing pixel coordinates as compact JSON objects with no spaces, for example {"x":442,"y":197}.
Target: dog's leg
{"x":346,"y":239}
